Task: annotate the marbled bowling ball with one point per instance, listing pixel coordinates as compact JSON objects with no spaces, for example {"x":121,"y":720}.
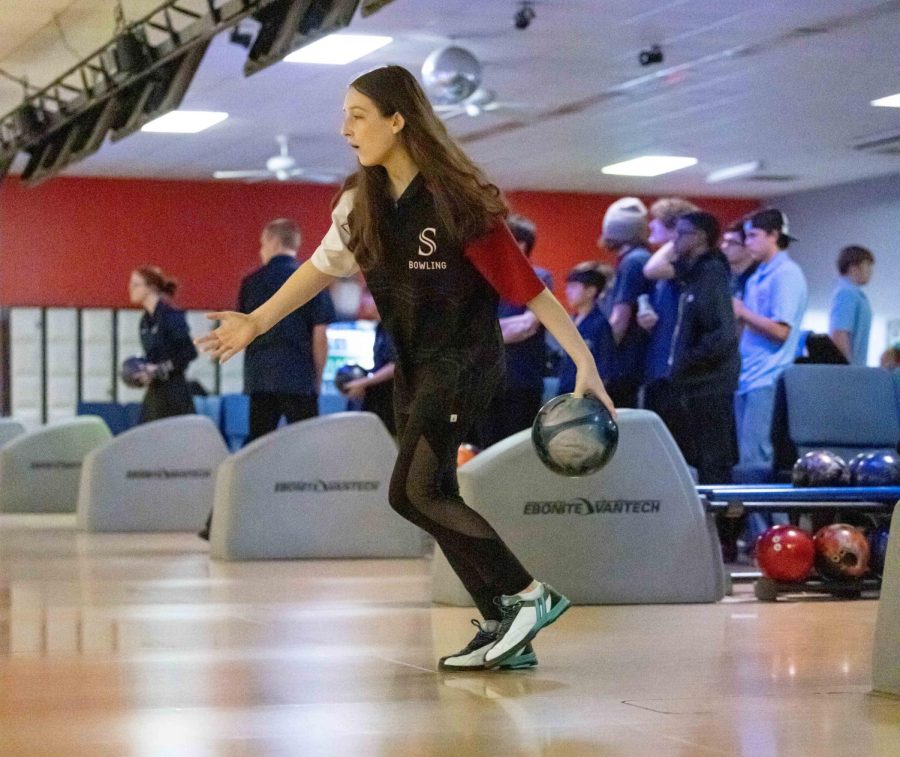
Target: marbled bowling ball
{"x":820,"y":468}
{"x":842,"y":552}
{"x":574,"y":436}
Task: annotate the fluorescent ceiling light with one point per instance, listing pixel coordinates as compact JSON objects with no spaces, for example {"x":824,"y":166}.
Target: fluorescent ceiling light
{"x":734,"y":172}
{"x":338,"y":49}
{"x":892,"y":101}
{"x":649,"y":165}
{"x":184,"y":121}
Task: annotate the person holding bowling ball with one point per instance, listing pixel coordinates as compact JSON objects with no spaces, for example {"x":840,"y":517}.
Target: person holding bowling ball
{"x":167,"y":345}
{"x":426,"y":228}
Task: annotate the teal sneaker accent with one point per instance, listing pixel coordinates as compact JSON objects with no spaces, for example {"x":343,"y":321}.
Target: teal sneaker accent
{"x":524,"y":658}
{"x":516,"y":614}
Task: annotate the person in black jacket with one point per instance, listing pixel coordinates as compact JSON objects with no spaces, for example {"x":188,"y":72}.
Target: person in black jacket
{"x":167,"y":345}
{"x":704,"y":361}
{"x":283,"y":368}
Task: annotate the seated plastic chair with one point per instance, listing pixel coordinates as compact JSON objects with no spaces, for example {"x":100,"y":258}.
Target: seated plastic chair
{"x":40,"y":470}
{"x":111,"y":412}
{"x":635,"y":532}
{"x":843,"y":408}
{"x":235,"y":419}
{"x":211,"y":407}
{"x":313,"y":489}
{"x":159,"y":476}
{"x":9,"y":430}
{"x":132,"y":414}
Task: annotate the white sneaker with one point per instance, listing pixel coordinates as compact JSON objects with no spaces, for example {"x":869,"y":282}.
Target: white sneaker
{"x":471,"y":657}
{"x":521,"y":620}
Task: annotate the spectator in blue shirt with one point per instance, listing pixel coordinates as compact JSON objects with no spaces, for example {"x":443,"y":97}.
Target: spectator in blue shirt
{"x":740,"y":259}
{"x":625,"y":233}
{"x":770,"y":313}
{"x":584,"y":285}
{"x":851,"y":314}
{"x":283,"y":368}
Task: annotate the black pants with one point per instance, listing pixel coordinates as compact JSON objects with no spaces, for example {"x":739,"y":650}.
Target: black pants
{"x":660,"y":398}
{"x":379,"y":399}
{"x":432,"y":420}
{"x":704,"y":429}
{"x":165,"y":399}
{"x":266,"y":409}
{"x":512,"y":410}
{"x":705,"y":433}
{"x":623,"y":391}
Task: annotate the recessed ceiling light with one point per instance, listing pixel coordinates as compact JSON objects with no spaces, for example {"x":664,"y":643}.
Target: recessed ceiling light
{"x":734,"y":172}
{"x":892,"y":101}
{"x":338,"y":49}
{"x":649,"y":165}
{"x":184,"y":121}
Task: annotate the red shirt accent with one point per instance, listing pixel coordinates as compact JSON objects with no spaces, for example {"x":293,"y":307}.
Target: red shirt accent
{"x":498,"y":258}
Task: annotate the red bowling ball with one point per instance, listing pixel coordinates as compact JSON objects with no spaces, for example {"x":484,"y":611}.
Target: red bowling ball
{"x":842,"y":552}
{"x":785,"y":553}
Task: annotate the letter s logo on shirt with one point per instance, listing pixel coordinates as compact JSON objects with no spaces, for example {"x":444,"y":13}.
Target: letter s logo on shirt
{"x":429,"y":242}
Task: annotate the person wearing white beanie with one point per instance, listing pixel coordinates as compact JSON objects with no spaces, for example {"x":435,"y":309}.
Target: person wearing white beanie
{"x":625,"y":232}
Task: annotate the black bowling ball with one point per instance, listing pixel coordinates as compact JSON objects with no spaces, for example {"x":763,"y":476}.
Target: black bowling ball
{"x":347,"y":373}
{"x":820,"y":468}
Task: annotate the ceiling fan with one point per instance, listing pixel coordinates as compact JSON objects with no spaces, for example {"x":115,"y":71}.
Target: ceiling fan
{"x":283,"y":167}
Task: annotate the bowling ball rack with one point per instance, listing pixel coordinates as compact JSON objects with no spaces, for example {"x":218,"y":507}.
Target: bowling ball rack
{"x":735,"y":499}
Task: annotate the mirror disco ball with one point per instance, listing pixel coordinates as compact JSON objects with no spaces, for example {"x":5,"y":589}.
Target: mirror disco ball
{"x":451,"y":74}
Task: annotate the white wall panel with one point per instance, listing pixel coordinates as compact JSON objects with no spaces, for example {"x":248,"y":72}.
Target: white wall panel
{"x":97,"y":355}
{"x":62,"y":362}
{"x":26,"y":364}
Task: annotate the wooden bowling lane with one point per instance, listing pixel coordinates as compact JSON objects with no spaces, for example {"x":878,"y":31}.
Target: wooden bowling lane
{"x":139,"y":645}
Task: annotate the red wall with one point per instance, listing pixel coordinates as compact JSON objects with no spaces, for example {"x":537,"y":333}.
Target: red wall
{"x":74,"y":241}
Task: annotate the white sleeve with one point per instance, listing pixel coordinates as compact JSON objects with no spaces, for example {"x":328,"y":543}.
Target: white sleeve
{"x":332,"y":256}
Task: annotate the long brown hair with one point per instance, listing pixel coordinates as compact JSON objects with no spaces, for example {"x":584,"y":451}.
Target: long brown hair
{"x":467,"y":204}
{"x":154,"y":278}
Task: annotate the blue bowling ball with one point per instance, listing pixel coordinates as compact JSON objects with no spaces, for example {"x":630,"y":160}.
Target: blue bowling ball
{"x":574,"y":436}
{"x":875,"y":469}
{"x":878,"y":541}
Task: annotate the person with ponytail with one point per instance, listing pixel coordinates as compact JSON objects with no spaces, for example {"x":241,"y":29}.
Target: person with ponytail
{"x":167,"y":344}
{"x":427,"y":229}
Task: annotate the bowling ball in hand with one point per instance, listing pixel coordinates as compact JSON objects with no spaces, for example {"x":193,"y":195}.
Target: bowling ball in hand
{"x":842,"y":552}
{"x":875,"y":469}
{"x":347,"y":373}
{"x":820,"y":468}
{"x":134,"y":372}
{"x":785,"y":553}
{"x":574,"y":436}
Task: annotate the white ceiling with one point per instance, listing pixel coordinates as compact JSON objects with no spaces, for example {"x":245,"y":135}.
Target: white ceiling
{"x":738,"y":83}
